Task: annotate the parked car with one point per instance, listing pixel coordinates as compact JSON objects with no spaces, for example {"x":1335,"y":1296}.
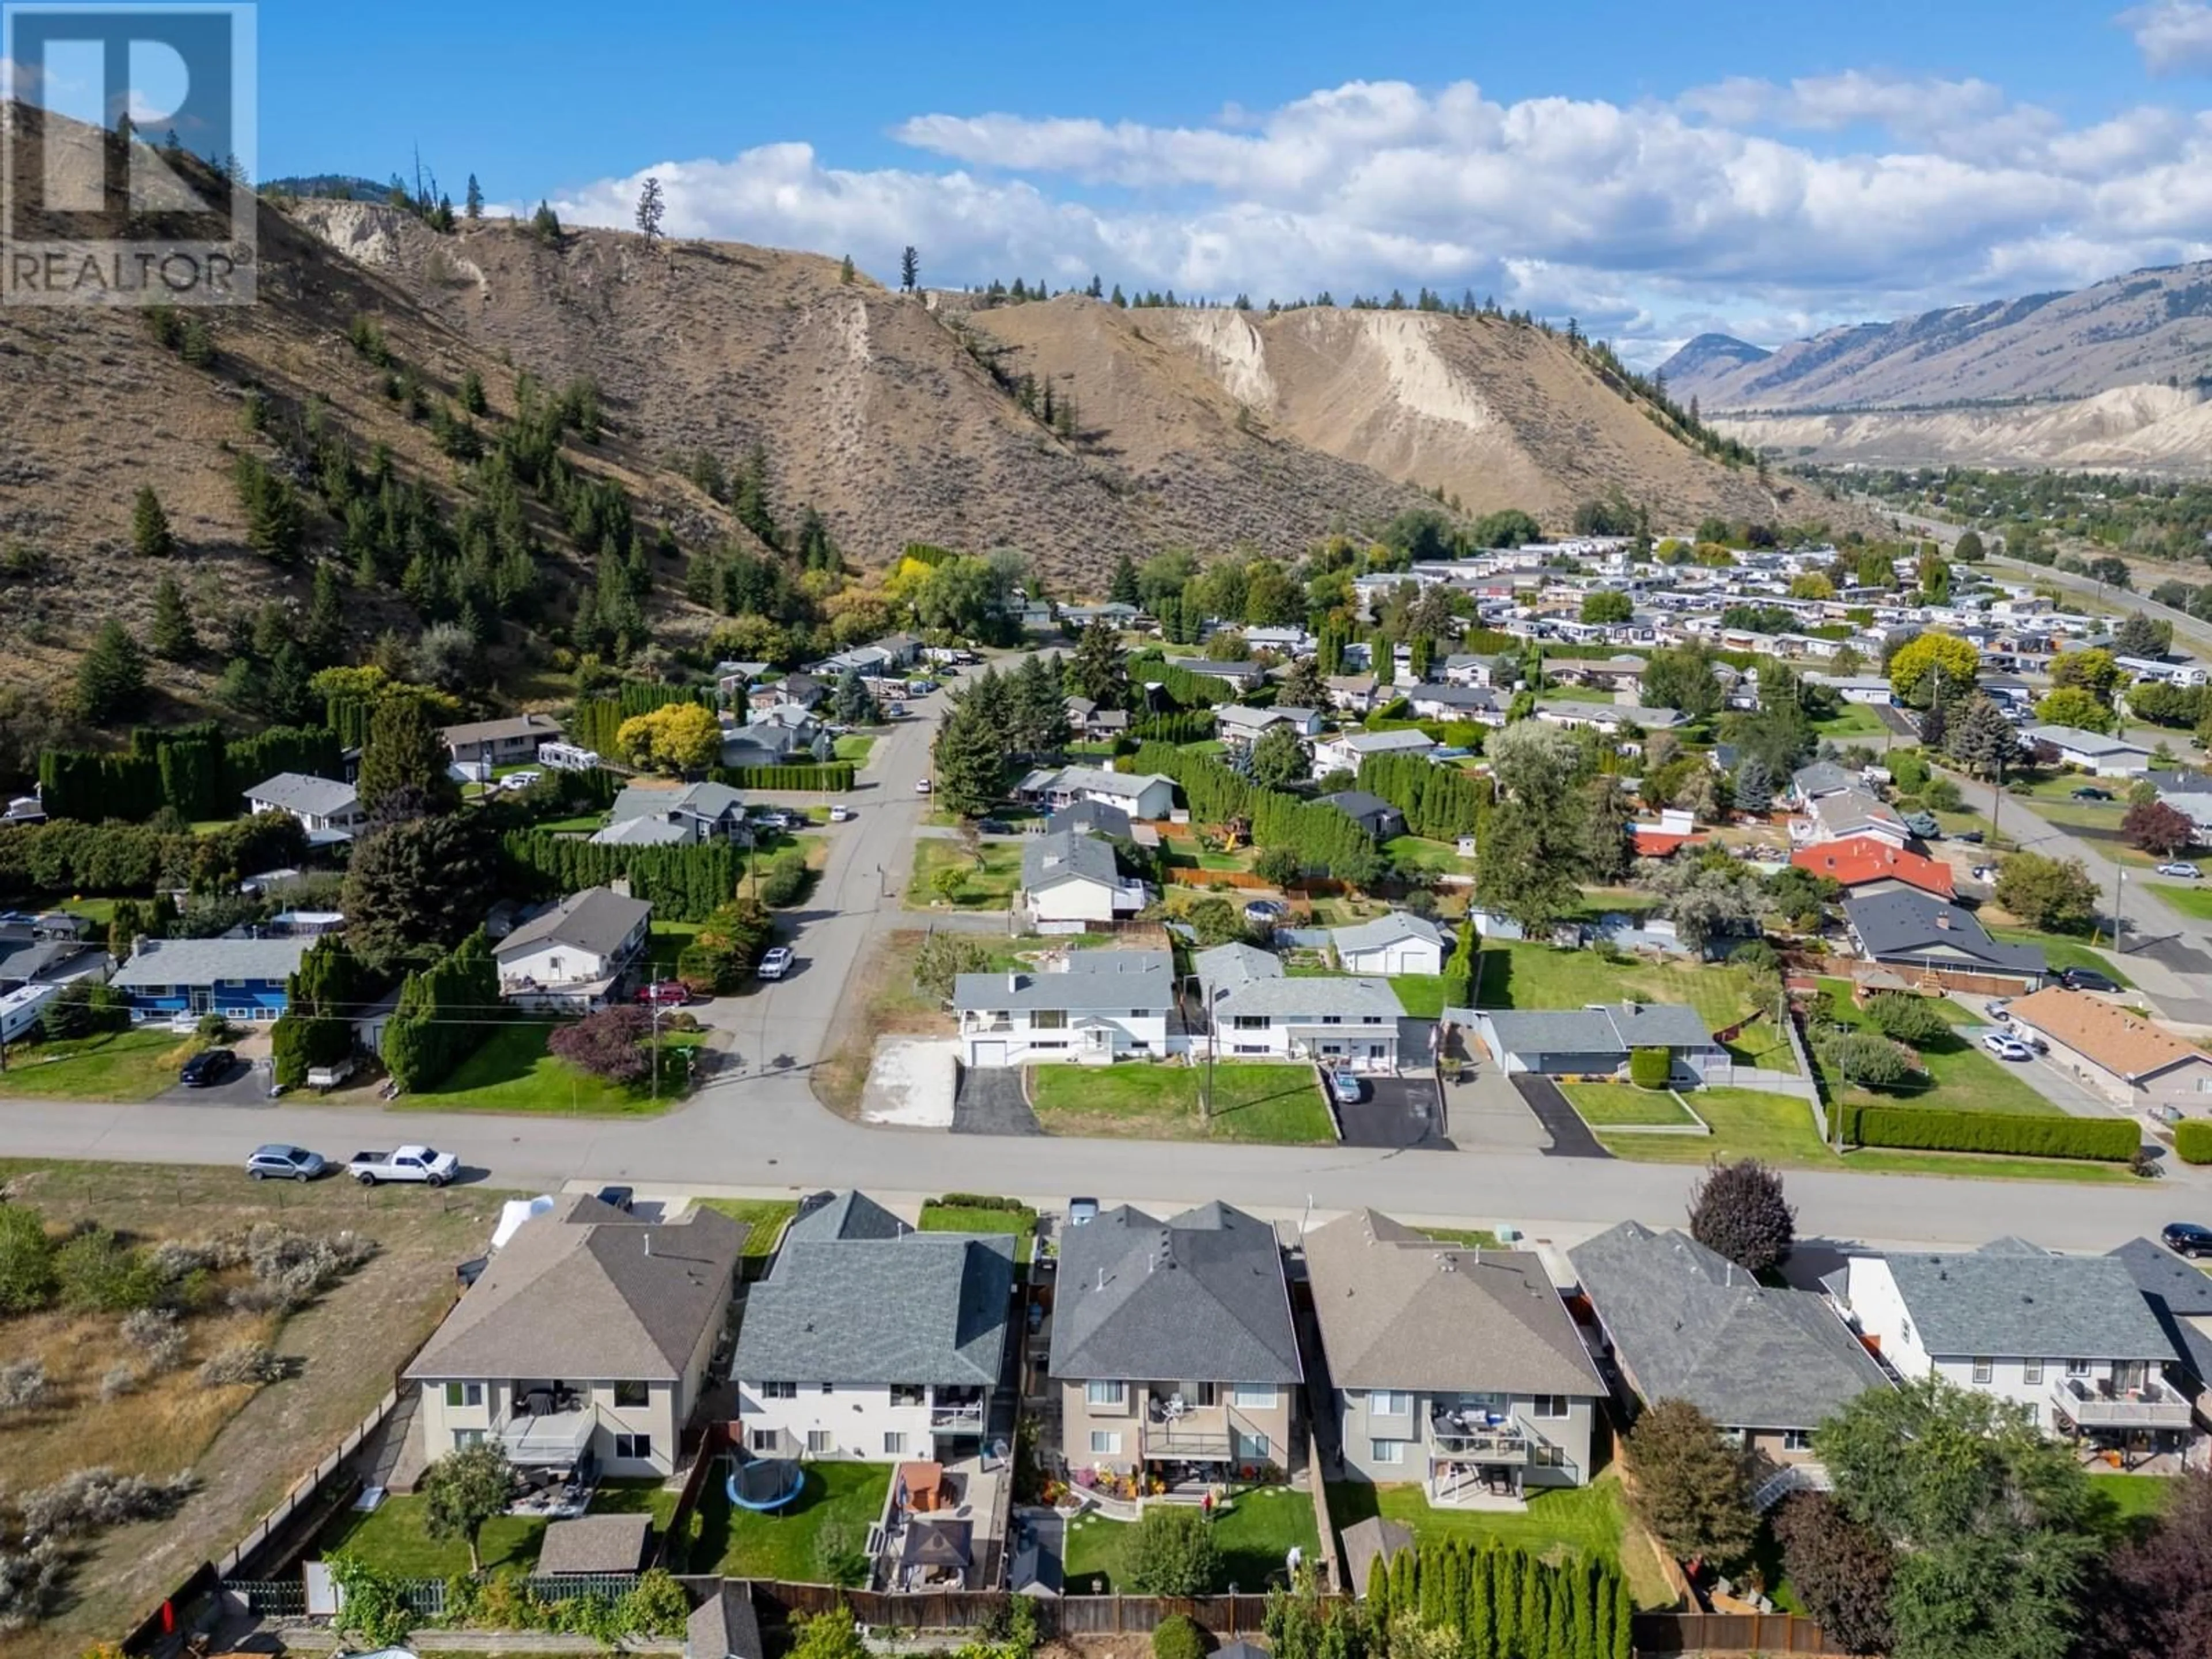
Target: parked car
{"x":1263,"y":913}
{"x":1972,"y":838}
{"x":1082,"y":1212}
{"x":921,"y":786}
{"x":665,"y":993}
{"x":2007,"y":1048}
{"x":840,"y":813}
{"x":1995,"y":1007}
{"x":521,"y":780}
{"x":994,"y":827}
{"x":2185,"y":872}
{"x":2187,"y":1238}
{"x":2087,"y":979}
{"x":775,"y":963}
{"x":1344,"y":1086}
{"x":424,"y":1164}
{"x":1924,"y":826}
{"x":327,"y":1077}
{"x":2090,"y":791}
{"x":206,"y":1068}
{"x":280,"y":1163}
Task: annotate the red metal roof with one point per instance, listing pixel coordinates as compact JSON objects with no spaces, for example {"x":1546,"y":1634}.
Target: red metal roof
{"x":1855,"y":860}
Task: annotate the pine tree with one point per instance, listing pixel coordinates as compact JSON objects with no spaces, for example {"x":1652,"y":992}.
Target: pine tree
{"x":473,"y":203}
{"x":909,"y":269}
{"x":111,"y":676}
{"x":171,"y":636}
{"x":323,"y":635}
{"x":1123,"y":589}
{"x":845,"y":271}
{"x":150,"y":535}
{"x":473,"y":393}
{"x":650,"y":205}
{"x":545,"y":224}
{"x":406,"y":757}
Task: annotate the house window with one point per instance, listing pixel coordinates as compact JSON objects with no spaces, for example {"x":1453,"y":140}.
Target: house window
{"x":1248,"y":1021}
{"x":1253,"y":1396}
{"x":1983,"y":1370}
{"x":630,"y":1394}
{"x":1105,"y":1443}
{"x":1796,"y":1440}
{"x":2031,"y":1371}
{"x":828,"y":1387}
{"x":1140,"y":1013}
{"x":1382,"y":1402}
{"x":764,"y":1441}
{"x":1248,"y":1447}
{"x":464,"y":1394}
{"x":779,"y":1390}
{"x":2034,"y":1413}
{"x":894,"y":1443}
{"x":1105,"y":1394}
{"x":464,"y":1438}
{"x":1048,"y":1019}
{"x":2077,"y":1368}
{"x":1548,"y":1405}
{"x":1547,"y":1457}
{"x":819,"y":1442}
{"x":1386,"y":1451}
{"x":1331,"y":1019}
{"x":634,"y":1447}
{"x":1249,"y":1049}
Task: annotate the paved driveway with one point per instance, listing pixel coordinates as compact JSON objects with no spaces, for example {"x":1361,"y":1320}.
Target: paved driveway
{"x":988,"y":1101}
{"x":247,"y":1084}
{"x":1397,"y":1112}
{"x":1571,"y":1136}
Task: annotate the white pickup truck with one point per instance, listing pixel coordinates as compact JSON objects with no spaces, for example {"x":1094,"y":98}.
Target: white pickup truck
{"x":423,"y":1163}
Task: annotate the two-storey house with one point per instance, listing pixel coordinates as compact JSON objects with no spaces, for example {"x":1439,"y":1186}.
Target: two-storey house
{"x":870,"y":1341}
{"x":1172,"y":1345}
{"x":1253,"y":1011}
{"x":1457,"y":1368}
{"x":571,"y":958}
{"x":1094,"y":1007}
{"x":1071,"y":878}
{"x":241,"y":979}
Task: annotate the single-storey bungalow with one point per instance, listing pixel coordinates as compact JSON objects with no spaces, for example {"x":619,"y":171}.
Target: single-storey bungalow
{"x":1598,"y":1039}
{"x":321,"y":804}
{"x":1400,"y":943}
{"x":2092,"y":752}
{"x":1610,"y":718}
{"x":1872,"y":862}
{"x":1243,"y":676}
{"x":1141,"y":795}
{"x":1872,"y":689}
{"x":1370,"y":812}
{"x":243,"y":979}
{"x":1916,"y":931}
{"x":646,"y":814}
{"x":2116,"y":1052}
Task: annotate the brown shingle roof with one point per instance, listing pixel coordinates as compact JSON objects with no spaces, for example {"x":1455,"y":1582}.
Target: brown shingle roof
{"x":579,"y":1294}
{"x":2123,"y":1043}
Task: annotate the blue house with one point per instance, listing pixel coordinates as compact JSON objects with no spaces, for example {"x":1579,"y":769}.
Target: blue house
{"x":242,"y":979}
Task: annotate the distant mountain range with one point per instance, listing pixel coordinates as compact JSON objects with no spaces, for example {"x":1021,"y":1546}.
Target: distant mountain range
{"x":2147,"y":328}
{"x":329,"y":187}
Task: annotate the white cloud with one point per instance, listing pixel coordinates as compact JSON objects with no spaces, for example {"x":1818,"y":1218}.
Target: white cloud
{"x":17,"y":79}
{"x":2175,"y":36}
{"x":1649,"y":221}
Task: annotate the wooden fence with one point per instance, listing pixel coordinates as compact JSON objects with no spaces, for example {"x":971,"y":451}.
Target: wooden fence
{"x":704,"y":1461}
{"x":1068,"y":1615}
{"x":1729,"y":1632}
{"x":309,"y":1486}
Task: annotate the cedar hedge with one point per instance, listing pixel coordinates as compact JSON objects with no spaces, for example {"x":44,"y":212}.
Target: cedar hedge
{"x":1650,"y":1069}
{"x":2192,"y":1140}
{"x":829,"y":777}
{"x":2109,"y":1140}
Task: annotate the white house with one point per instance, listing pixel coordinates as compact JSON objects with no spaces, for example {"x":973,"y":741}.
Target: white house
{"x":501,"y":742}
{"x":2068,"y":1338}
{"x":1069,"y":878}
{"x":1141,"y":795}
{"x":1256,"y":1011}
{"x":649,"y":814}
{"x":1609,"y":718}
{"x":1344,"y":751}
{"x":1239,"y":727}
{"x":570,"y":958}
{"x":1458,"y":702}
{"x":1093,"y":1008}
{"x":2092,"y":752}
{"x":1399,"y":943}
{"x":322,"y":805}
{"x":872,"y":1342}
{"x":1872,"y":689}
{"x":2184,"y":672}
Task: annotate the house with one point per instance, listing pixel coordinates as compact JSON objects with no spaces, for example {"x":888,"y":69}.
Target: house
{"x":1809,"y":783}
{"x":1254,"y":1010}
{"x":507,"y":742}
{"x":1118,"y":613}
{"x":1610,"y":718}
{"x":1870,"y":689}
{"x":872,"y":1342}
{"x":2069,"y":1339}
{"x":1355,"y":693}
{"x":1095,"y":818}
{"x":804,"y":690}
{"x":1092,"y":723}
{"x":1242,"y":677}
{"x":1399,"y":943}
{"x":2116,"y":1052}
{"x":1071,"y":877}
{"x":2091,"y":752}
{"x":646,"y":814}
{"x":1914,"y":931}
{"x":1147,"y":795}
{"x":1875,"y":864}
{"x":1240,"y":727}
{"x":725,"y":1625}
{"x":1172,"y":1345}
{"x":1851,"y":814}
{"x":242,"y":979}
{"x":1370,"y":812}
{"x":572,"y":956}
{"x":2189,"y":793}
{"x":1097,"y":1007}
{"x":1457,"y":1368}
{"x":1767,"y":1363}
{"x":772,"y":742}
{"x":1345,"y":751}
{"x":586,"y":1337}
{"x":1597,"y":1041}
{"x":322,"y":806}
{"x":2180,"y":1297}
{"x":50,"y":961}
{"x":1286,"y":641}
{"x":1458,"y":702}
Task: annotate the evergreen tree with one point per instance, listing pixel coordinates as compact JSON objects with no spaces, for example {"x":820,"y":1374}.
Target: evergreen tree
{"x":472,"y":204}
{"x":1098,"y":670}
{"x":473,"y":393}
{"x":909,"y":269}
{"x":1123,"y":589}
{"x":323,"y":637}
{"x":403,"y":761}
{"x":968,"y":760}
{"x":150,"y":535}
{"x":652,"y":204}
{"x":171,"y":636}
{"x":545,"y":224}
{"x":111,"y":676}
{"x":852,"y":703}
{"x":845,"y":271}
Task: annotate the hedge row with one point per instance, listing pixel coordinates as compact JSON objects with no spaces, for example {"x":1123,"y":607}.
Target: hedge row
{"x":1462,"y":968}
{"x":1440,"y":802}
{"x":597,"y":720}
{"x":195,"y":768}
{"x":1325,"y":837}
{"x":682,"y":884}
{"x":443,"y":1015}
{"x":2110,"y":1140}
{"x":827,"y":777}
{"x":2193,"y":1140}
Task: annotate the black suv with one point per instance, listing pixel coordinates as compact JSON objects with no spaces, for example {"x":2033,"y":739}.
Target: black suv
{"x":2187,"y":1238}
{"x":207,"y":1067}
{"x":2087,"y":979}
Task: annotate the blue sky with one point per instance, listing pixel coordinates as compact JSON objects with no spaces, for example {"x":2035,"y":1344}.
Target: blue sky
{"x":1766,"y":169}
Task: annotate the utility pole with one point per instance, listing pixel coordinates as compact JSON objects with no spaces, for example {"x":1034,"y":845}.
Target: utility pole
{"x":2119,"y":880}
{"x":656,"y":1051}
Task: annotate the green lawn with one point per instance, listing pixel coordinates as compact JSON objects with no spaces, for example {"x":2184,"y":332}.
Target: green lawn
{"x":2062,"y":951}
{"x":990,"y":873}
{"x":1413,"y":852}
{"x":512,"y":1072}
{"x":119,"y":1066}
{"x":395,"y":1536}
{"x":941,"y":1218}
{"x":832,"y":1514}
{"x":1160,"y":1102}
{"x":1601,"y":1104}
{"x":1962,"y":1076}
{"x":854,"y":746}
{"x":1421,"y":995}
{"x":764,"y":1218}
{"x":2189,"y":897}
{"x":1467,"y":1238}
{"x":1519,"y":975}
{"x":2131,"y":1502}
{"x":1255,"y":1534}
{"x":1853,"y":720}
{"x":1588,"y":1520}
{"x":584,"y":825}
{"x":665,"y":942}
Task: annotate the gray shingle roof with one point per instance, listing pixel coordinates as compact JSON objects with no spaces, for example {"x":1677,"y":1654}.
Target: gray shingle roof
{"x":711,"y":800}
{"x":920,"y":1308}
{"x":509,"y":725}
{"x":1091,"y":980}
{"x":576,"y":1294}
{"x":642,"y":832}
{"x":851,"y":1214}
{"x":1062,"y":855}
{"x":1823,"y":778}
{"x":1359,"y":805}
{"x":1613,"y":1029}
{"x":1126,"y":786}
{"x":1905,"y":922}
{"x":597,"y":921}
{"x":204,"y":961}
{"x":1096,"y":816}
{"x":595,"y":1543}
{"x":725,"y":1625}
{"x":1200,"y":1297}
{"x":1347,"y":996}
{"x":2176,"y":1294}
{"x":1235,"y":964}
{"x":1688,"y":1324}
{"x":1387,"y":930}
{"x":1398,"y":1311}
{"x":2019,"y":1300}
{"x":1368,"y":1541}
{"x":296,"y":792}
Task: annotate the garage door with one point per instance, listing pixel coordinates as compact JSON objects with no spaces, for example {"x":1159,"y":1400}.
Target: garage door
{"x":990,"y":1054}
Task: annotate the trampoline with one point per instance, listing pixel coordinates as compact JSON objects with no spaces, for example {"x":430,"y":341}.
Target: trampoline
{"x":765,"y":1483}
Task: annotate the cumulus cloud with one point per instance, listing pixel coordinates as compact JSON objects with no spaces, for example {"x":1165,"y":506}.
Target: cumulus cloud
{"x":2175,"y":36}
{"x":1782,"y":206}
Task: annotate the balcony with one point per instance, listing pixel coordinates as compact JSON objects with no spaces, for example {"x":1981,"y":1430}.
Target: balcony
{"x":956,"y":1411}
{"x":1175,"y":1429}
{"x":2092,"y":1405}
{"x":1466,"y":1435}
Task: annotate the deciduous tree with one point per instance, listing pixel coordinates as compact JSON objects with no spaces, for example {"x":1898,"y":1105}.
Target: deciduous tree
{"x":1924,"y":662}
{"x":677,"y":737}
{"x":1172,"y":1552}
{"x":1841,"y":1571}
{"x":2070,"y":705}
{"x":1738,"y":1210}
{"x":2049,"y":894}
{"x":1280,"y":758}
{"x":463,"y":1490}
{"x":1691,"y":1489}
{"x":608,"y":1044}
{"x":2157,"y":827}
